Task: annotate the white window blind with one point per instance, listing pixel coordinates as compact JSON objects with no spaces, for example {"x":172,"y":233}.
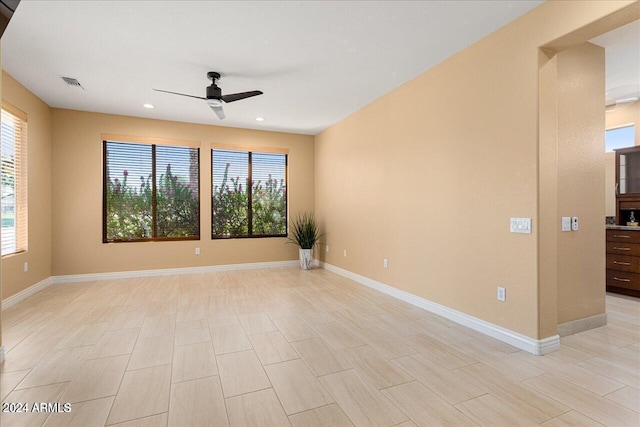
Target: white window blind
{"x":13,"y":168}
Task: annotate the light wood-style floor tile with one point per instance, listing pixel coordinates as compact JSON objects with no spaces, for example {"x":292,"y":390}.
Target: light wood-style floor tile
{"x":8,"y":381}
{"x":153,"y":351}
{"x":272,"y":347}
{"x":337,"y":336}
{"x":330,"y":415}
{"x":48,"y":393}
{"x":143,"y":392}
{"x":115,"y":343}
{"x":158,"y":325}
{"x":440,"y":353}
{"x":197,"y":403}
{"x":261,"y":408}
{"x":571,"y":419}
{"x":320,"y":358}
{"x":486,"y":410}
{"x":363,"y":403}
{"x":59,"y":366}
{"x":192,"y":332}
{"x":256,"y":323}
{"x":296,"y":386}
{"x":375,"y":368}
{"x":72,"y":342}
{"x":588,"y":403}
{"x":193,"y":361}
{"x":126,"y":320}
{"x":241,"y":373}
{"x":160,"y":420}
{"x":626,"y":396}
{"x":295,"y":329}
{"x":92,"y":413}
{"x":97,"y":378}
{"x":535,"y":405}
{"x":425,"y":407}
{"x":230,"y":339}
{"x":448,"y":384}
{"x":83,"y":335}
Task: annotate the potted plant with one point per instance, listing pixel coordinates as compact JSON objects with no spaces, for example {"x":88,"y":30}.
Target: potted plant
{"x":304,"y":233}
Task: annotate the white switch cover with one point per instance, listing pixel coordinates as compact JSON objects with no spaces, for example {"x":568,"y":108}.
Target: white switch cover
{"x":520,"y":225}
{"x":574,"y":223}
{"x":566,"y":223}
{"x":386,"y":263}
{"x":502,"y":294}
{"x":197,"y":251}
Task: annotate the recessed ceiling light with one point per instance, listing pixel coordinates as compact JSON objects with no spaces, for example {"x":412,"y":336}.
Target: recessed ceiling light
{"x":260,"y":119}
{"x":148,"y":106}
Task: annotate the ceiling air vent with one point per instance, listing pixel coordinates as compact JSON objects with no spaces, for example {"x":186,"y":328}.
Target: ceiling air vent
{"x":72,"y":82}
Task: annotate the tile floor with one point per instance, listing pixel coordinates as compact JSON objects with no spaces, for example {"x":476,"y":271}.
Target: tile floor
{"x":284,"y":347}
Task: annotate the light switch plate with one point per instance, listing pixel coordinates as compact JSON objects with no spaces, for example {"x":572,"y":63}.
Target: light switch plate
{"x":520,"y":225}
{"x":566,"y":223}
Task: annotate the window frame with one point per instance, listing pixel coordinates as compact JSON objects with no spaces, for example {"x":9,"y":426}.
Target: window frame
{"x":618,"y":127}
{"x":249,"y":152}
{"x":21,"y":207}
{"x":153,"y":142}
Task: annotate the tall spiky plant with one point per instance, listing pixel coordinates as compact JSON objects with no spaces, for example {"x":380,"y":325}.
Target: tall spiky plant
{"x":304,"y":231}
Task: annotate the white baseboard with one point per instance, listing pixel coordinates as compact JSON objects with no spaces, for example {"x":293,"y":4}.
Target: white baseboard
{"x":1,"y":354}
{"x":523,"y":342}
{"x":73,"y":278}
{"x":25,"y":293}
{"x":581,"y":325}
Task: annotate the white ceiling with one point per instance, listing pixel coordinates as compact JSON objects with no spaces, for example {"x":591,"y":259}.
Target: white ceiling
{"x":622,"y":53}
{"x":316,"y":61}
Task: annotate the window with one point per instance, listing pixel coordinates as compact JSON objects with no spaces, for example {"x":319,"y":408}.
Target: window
{"x":249,"y":194}
{"x":14,"y":180}
{"x":620,"y":138}
{"x":150,"y":192}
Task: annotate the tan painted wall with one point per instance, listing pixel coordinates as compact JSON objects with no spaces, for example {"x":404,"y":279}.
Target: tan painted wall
{"x":429,"y":175}
{"x":581,"y":254}
{"x":38,"y":255}
{"x":77,"y":196}
{"x":621,"y":116}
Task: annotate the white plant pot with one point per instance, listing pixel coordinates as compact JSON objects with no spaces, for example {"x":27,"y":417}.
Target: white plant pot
{"x":306,"y":258}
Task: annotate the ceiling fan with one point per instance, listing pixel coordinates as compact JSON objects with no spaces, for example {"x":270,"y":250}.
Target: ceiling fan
{"x":214,"y":97}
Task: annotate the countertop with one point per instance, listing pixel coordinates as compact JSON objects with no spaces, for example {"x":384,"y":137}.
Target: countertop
{"x":623,"y":227}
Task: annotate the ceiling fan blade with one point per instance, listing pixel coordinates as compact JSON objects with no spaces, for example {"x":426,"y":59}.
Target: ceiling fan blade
{"x":181,"y":94}
{"x":218,"y":110}
{"x":238,"y":96}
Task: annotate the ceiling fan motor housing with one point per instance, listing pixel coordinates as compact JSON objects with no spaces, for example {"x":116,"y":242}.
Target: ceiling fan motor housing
{"x":214,"y":92}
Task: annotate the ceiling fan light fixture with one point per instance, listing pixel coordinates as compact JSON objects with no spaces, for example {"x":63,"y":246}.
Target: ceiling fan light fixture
{"x":214,"y":102}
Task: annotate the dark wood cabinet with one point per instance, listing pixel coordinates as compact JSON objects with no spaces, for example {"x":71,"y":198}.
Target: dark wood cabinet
{"x":623,"y":260}
{"x":627,"y":184}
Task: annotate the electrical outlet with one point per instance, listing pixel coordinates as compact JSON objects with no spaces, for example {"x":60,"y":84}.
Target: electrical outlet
{"x":386,"y":263}
{"x":502,"y":294}
{"x":26,"y":267}
{"x":197,"y":251}
{"x":574,"y":223}
{"x":345,"y":252}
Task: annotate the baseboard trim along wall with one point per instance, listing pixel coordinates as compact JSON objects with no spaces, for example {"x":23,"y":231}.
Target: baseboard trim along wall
{"x":538,"y":347}
{"x":581,"y":325}
{"x":523,"y":342}
{"x":91,"y":277}
{"x":25,"y":293}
